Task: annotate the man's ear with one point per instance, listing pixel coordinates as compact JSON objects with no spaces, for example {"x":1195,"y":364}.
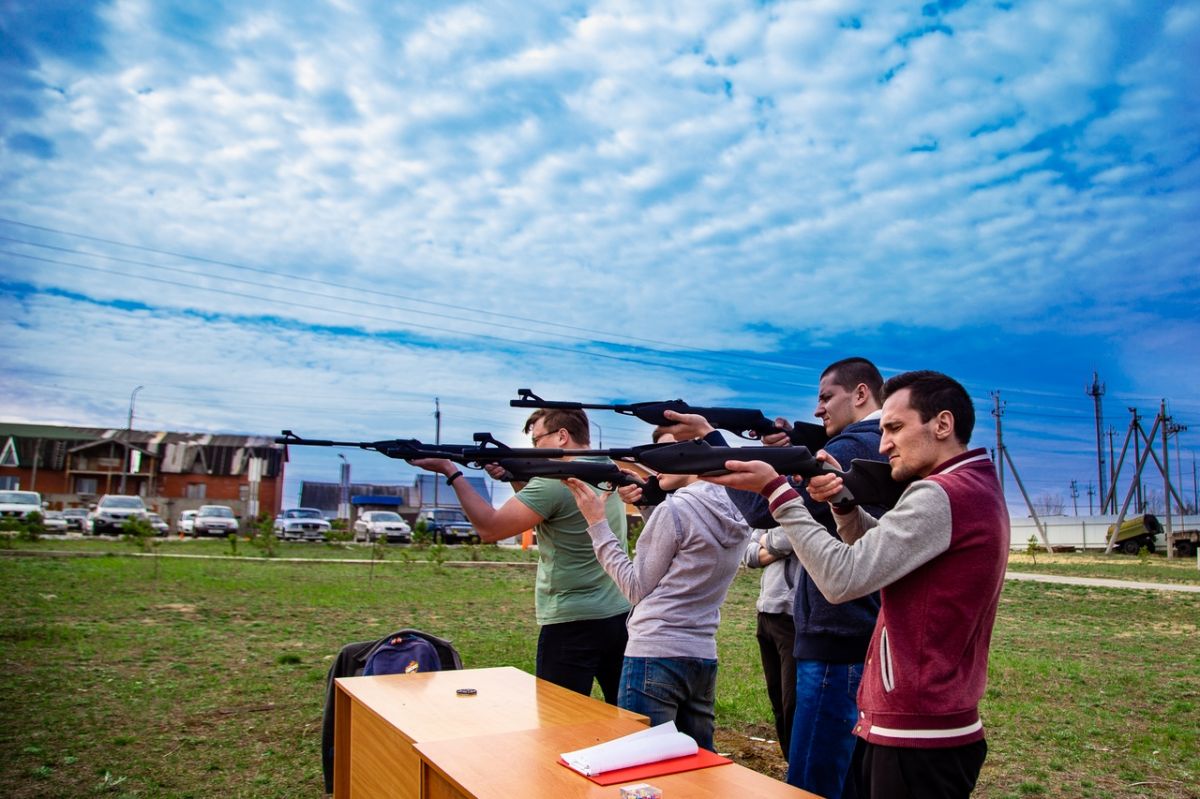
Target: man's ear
{"x":861,"y":394}
{"x":944,"y":425}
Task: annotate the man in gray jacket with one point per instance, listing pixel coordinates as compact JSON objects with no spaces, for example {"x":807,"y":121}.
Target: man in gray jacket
{"x":776,"y":630}
{"x":687,"y":555}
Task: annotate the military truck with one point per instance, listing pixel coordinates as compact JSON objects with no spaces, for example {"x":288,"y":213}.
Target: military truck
{"x":1137,"y":532}
{"x":1186,"y":542}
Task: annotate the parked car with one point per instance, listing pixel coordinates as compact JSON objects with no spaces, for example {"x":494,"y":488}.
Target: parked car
{"x":373,"y":524}
{"x":19,"y":504}
{"x":160,"y":526}
{"x":448,"y":525}
{"x":76,"y":518}
{"x":53,"y":522}
{"x":187,"y":522}
{"x":214,"y":520}
{"x":301,"y":524}
{"x":112,"y":511}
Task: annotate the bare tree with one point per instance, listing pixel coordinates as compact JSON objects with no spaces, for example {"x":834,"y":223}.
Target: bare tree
{"x":1049,"y":504}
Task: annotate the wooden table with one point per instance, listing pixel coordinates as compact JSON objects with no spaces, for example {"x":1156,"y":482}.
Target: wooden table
{"x":524,"y":763}
{"x":377,"y":720}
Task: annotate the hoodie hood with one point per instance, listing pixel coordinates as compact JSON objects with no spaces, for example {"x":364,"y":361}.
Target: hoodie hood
{"x":717,"y":513}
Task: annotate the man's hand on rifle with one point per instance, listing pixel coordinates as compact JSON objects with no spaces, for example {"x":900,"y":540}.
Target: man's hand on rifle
{"x":630,"y":494}
{"x":436,"y":465}
{"x":498,"y":472}
{"x":779,"y":439}
{"x":746,"y":475}
{"x":686,"y":426}
{"x":591,"y":504}
{"x":825,"y":487}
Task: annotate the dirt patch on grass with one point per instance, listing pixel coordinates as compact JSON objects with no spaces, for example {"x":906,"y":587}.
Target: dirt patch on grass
{"x":753,"y":747}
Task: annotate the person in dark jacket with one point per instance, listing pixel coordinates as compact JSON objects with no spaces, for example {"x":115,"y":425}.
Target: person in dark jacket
{"x":938,"y":560}
{"x":830,"y":640}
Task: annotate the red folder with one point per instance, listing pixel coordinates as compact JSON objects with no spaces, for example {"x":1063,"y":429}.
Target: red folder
{"x":702,"y":759}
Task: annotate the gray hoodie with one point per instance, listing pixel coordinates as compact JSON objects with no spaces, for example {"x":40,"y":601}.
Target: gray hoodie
{"x":687,"y":555}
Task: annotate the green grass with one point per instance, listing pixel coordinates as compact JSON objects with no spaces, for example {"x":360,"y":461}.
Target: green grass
{"x":208,"y":680}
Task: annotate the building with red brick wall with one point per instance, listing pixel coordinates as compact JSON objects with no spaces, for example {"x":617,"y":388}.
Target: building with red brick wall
{"x":172,"y":472}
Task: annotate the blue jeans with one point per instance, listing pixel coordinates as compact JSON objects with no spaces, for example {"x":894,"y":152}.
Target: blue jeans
{"x":822,"y":729}
{"x":682,"y":690}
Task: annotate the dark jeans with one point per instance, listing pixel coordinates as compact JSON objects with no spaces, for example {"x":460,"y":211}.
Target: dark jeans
{"x":682,"y":690}
{"x":892,"y":772}
{"x":573,"y":653}
{"x":823,"y":727}
{"x":776,"y":635}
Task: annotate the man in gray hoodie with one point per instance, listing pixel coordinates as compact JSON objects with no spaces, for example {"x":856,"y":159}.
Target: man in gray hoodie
{"x":687,"y":555}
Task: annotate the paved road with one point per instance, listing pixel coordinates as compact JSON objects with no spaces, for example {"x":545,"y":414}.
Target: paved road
{"x":1102,"y":582}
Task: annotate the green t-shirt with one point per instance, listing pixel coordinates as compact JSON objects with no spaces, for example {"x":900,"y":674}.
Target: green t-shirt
{"x":571,"y":585}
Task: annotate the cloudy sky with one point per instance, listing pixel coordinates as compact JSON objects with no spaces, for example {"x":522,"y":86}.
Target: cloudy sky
{"x":324,"y":216}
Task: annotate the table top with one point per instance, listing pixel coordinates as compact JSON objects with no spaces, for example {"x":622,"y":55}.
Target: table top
{"x":524,"y":763}
{"x":426,"y":706}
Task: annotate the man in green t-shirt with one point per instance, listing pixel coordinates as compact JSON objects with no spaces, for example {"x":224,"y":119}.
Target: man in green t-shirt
{"x":581,"y":611}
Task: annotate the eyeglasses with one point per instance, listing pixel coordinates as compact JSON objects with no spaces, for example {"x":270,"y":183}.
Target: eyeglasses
{"x":536,"y":439}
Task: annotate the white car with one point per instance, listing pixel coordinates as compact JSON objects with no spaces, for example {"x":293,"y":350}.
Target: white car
{"x":19,"y":504}
{"x":303,"y":524}
{"x":112,"y":511}
{"x":214,"y":520}
{"x":76,"y":519}
{"x":53,"y":522}
{"x":187,"y":522}
{"x":374,"y":524}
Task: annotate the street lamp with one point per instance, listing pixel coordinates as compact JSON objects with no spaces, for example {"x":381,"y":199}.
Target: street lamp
{"x":128,"y":433}
{"x":600,"y":436}
{"x":343,"y":511}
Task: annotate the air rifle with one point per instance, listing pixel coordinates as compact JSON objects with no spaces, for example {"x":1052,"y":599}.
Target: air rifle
{"x":865,"y":483}
{"x":747,"y":423}
{"x":521,"y":465}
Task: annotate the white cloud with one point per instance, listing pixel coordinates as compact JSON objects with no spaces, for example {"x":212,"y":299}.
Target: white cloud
{"x":715,"y":175}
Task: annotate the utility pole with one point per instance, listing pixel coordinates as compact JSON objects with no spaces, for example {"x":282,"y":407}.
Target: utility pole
{"x":1113,"y":471}
{"x":1177,"y":429}
{"x":1001,"y":455}
{"x":437,"y":439}
{"x":1137,"y":455}
{"x":343,"y":511}
{"x":128,"y":435}
{"x":997,"y":411}
{"x":1096,"y":391}
{"x":1075,"y":496}
{"x":1091,"y":493}
{"x":1167,"y":426}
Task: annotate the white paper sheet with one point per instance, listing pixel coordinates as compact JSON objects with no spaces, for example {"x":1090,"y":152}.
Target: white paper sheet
{"x":637,"y":749}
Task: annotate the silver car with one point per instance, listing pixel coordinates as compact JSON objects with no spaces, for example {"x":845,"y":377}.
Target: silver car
{"x":375,"y":524}
{"x":301,"y":524}
{"x":215,"y":520}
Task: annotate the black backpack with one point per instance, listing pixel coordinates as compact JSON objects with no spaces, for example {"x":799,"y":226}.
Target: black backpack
{"x":403,"y":652}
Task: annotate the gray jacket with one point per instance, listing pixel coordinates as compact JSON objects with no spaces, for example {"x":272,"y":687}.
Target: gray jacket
{"x":777,"y":587}
{"x":687,"y":555}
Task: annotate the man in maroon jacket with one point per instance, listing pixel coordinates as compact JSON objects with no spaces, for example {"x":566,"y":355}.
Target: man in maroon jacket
{"x":938,"y":560}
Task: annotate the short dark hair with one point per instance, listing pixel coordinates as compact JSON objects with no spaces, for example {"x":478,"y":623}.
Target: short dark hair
{"x":930,"y":393}
{"x":574,"y":421}
{"x":849,"y":372}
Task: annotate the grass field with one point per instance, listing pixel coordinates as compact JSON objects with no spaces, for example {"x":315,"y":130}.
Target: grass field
{"x":172,"y":677}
